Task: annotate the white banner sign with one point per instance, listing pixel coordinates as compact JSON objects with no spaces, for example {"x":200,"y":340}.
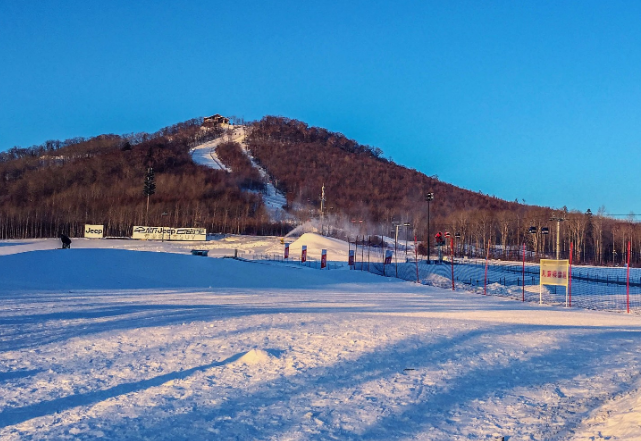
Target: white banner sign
{"x":94,"y":231}
{"x":554,"y":272}
{"x":168,"y":233}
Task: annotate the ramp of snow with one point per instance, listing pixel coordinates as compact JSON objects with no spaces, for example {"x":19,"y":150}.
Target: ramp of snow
{"x":337,"y":250}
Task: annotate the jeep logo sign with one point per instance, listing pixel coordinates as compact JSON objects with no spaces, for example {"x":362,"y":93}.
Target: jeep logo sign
{"x":94,"y":231}
{"x":168,"y":233}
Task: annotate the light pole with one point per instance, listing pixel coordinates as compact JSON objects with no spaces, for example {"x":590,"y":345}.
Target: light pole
{"x":429,"y":197}
{"x":544,"y":231}
{"x":406,"y":227}
{"x":396,"y":242}
{"x":322,"y":207}
{"x":558,"y":233}
{"x":457,"y":236}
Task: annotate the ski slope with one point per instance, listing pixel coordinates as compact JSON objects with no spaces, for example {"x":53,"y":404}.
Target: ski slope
{"x":205,"y":154}
{"x":139,"y":340}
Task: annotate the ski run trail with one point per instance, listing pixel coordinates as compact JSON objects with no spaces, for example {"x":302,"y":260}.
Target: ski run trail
{"x":205,"y":154}
{"x":129,"y":340}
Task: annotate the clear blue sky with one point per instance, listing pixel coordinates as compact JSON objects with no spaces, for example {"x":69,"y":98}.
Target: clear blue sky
{"x":535,"y":100}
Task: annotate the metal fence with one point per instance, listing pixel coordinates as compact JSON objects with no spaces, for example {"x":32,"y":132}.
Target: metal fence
{"x":592,"y":287}
{"x":309,"y":263}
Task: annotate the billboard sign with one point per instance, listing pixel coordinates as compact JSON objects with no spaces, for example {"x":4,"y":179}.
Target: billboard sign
{"x":94,"y":231}
{"x":555,"y":272}
{"x":168,"y":233}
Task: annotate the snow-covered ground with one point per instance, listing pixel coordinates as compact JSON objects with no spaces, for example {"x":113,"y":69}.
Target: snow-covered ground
{"x":109,"y":341}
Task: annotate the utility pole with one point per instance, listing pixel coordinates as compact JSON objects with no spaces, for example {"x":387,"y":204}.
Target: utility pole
{"x":322,"y":207}
{"x":429,"y":197}
{"x":558,"y":233}
{"x":396,"y":242}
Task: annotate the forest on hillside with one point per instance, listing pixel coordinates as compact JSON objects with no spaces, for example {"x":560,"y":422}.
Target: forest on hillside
{"x":373,"y":194}
{"x":59,"y":186}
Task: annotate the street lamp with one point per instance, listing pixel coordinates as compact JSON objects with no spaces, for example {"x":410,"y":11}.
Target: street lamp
{"x":544,"y":231}
{"x":429,"y":197}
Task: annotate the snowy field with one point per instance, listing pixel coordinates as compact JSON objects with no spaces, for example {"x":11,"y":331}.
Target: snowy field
{"x":139,"y":340}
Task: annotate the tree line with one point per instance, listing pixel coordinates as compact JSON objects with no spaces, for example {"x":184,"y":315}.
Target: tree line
{"x":368,"y":195}
{"x":61,"y":186}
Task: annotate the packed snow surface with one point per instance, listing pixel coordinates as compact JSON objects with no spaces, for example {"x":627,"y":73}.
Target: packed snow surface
{"x":113,"y":343}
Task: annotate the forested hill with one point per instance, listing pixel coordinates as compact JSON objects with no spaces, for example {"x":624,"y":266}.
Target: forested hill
{"x":61,"y":185}
{"x":359,"y":181}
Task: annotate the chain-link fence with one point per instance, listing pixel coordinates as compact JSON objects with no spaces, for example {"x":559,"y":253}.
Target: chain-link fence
{"x":591,"y":287}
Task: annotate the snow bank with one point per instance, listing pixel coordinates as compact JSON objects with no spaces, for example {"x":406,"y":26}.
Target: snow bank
{"x":337,"y":250}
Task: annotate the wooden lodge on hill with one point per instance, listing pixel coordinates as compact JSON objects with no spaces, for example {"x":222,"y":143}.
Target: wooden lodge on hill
{"x":216,"y":120}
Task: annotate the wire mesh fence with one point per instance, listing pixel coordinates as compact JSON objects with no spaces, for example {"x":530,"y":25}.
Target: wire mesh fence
{"x":591,"y":287}
{"x":275,"y":257}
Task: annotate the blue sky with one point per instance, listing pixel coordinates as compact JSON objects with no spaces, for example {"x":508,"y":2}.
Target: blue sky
{"x":535,"y":100}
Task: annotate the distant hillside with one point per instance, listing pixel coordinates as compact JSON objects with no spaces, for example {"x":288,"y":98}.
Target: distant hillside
{"x":61,"y":185}
{"x":359,"y":182}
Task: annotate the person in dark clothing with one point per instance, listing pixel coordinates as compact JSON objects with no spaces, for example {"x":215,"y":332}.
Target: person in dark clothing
{"x":66,"y":242}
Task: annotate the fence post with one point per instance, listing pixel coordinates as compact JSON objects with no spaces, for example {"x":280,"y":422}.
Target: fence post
{"x":627,"y":283}
{"x":523,"y":294}
{"x":569,"y":305}
{"x":487,"y":258}
{"x":452,"y":259}
{"x":418,"y":280}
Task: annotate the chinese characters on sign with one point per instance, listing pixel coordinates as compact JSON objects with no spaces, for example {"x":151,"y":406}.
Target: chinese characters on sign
{"x":554,"y":272}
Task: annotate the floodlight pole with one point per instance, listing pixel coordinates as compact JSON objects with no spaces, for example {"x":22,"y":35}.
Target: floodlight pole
{"x":429,"y":197}
{"x":558,"y":234}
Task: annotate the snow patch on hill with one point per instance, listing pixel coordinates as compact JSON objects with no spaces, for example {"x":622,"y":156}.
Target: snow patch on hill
{"x":205,"y":154}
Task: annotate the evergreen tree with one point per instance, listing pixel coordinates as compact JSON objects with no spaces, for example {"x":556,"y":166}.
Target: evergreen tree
{"x":149,"y":188}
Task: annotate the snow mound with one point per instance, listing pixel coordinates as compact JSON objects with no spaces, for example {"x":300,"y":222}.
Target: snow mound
{"x":439,"y":281}
{"x":255,"y":356}
{"x":337,"y":250}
